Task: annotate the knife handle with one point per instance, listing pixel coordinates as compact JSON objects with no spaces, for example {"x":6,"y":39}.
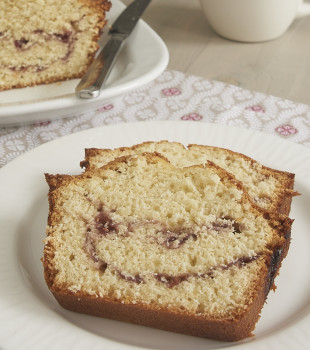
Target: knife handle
{"x":99,"y":70}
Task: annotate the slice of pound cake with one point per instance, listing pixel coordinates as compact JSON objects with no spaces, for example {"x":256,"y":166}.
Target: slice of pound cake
{"x":43,"y":41}
{"x":179,"y":249}
{"x":269,"y":188}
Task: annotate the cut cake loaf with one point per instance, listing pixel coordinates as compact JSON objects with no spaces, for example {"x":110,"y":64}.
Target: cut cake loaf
{"x":269,"y":188}
{"x":43,"y":41}
{"x":179,"y":249}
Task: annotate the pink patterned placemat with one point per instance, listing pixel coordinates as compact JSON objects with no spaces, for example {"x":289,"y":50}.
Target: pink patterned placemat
{"x":173,"y":96}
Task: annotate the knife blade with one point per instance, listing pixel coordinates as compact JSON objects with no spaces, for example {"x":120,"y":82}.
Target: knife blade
{"x":99,"y":70}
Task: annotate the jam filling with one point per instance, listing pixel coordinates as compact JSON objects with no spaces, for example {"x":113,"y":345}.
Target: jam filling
{"x":19,"y":44}
{"x":173,"y":239}
{"x":136,"y":278}
{"x":23,"y":44}
{"x":172,"y":281}
{"x":226,"y":224}
{"x":104,"y":225}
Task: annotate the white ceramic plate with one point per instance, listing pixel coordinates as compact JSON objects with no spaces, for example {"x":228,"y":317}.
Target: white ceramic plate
{"x":30,"y":318}
{"x":144,"y":56}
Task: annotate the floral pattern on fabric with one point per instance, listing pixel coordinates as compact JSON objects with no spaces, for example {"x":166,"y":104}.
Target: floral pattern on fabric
{"x":192,"y":116}
{"x":286,"y":130}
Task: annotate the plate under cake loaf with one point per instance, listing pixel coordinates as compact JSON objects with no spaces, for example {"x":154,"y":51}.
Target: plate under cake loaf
{"x":269,"y":188}
{"x":179,"y":249}
{"x":43,"y":41}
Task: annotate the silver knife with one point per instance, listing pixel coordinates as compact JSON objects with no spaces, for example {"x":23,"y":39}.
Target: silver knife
{"x":99,"y":70}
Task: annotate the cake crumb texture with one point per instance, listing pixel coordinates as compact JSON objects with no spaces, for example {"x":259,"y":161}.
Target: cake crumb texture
{"x":269,"y":188}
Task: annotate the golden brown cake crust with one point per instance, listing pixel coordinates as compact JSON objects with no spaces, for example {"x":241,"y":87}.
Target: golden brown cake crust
{"x":167,"y":320}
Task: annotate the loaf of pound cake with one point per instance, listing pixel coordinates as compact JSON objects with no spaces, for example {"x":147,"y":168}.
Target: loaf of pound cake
{"x":269,"y":188}
{"x":179,"y":249}
{"x":43,"y":41}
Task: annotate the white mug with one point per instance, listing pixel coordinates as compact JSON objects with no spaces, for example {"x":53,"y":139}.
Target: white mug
{"x":250,"y":20}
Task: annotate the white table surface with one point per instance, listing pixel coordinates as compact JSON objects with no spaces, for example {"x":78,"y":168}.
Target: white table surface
{"x":280,"y":67}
